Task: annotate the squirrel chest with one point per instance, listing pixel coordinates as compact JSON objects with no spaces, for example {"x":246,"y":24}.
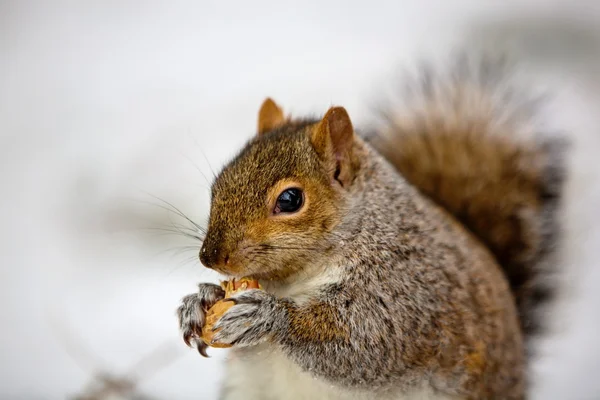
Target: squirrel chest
{"x":265,"y":373}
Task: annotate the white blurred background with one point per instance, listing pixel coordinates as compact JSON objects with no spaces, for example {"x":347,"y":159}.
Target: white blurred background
{"x":106,"y":101}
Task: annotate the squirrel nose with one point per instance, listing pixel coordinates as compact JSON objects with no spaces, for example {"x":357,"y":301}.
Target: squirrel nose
{"x":207,"y":257}
{"x":211,"y":258}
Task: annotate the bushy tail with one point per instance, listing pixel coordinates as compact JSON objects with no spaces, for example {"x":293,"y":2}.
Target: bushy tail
{"x":470,"y":141}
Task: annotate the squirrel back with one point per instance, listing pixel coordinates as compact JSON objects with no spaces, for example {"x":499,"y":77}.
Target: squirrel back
{"x":469,"y":140}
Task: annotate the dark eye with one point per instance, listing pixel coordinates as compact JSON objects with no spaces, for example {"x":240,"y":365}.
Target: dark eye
{"x":289,"y":201}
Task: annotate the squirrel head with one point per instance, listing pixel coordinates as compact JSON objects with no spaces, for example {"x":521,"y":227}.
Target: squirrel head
{"x":275,"y":205}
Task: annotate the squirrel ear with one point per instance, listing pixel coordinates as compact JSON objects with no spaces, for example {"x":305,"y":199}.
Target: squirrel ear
{"x":332,"y":138}
{"x":270,"y":116}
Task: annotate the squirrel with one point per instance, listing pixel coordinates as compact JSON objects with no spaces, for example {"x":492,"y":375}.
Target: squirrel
{"x":406,"y":262}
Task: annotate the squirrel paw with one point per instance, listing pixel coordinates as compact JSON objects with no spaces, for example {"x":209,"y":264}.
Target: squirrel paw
{"x":192,"y":314}
{"x":254,"y":317}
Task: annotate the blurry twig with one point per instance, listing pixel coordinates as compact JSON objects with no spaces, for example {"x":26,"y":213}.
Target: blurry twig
{"x":104,"y":385}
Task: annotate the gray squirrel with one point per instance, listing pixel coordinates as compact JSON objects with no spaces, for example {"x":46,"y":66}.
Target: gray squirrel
{"x":408,"y":263}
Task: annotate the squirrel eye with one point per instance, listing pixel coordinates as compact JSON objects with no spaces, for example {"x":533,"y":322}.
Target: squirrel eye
{"x":289,"y":201}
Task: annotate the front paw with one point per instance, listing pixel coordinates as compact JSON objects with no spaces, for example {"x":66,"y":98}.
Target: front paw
{"x":255,"y":317}
{"x":192,"y":313}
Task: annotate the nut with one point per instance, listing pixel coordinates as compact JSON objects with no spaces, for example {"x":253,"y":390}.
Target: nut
{"x":231,"y":287}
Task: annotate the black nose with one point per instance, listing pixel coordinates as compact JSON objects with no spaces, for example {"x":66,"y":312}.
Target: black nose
{"x":211,"y":257}
{"x":207,"y":257}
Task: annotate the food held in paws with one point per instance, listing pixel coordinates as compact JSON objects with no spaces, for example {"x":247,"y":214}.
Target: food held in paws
{"x":216,"y":311}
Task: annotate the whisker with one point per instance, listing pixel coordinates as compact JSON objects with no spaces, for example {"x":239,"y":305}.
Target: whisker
{"x":174,"y":225}
{"x":275,"y":247}
{"x":194,"y":232}
{"x":166,"y":231}
{"x":208,"y":163}
{"x":180,"y":250}
{"x":199,"y":170}
{"x":173,"y":209}
{"x":182,"y":263}
{"x":187,"y":228}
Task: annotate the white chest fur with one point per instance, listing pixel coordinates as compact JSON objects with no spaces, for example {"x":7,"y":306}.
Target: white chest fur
{"x":264,"y":373}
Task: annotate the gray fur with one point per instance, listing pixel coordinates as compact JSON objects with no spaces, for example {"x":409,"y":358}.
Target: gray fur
{"x":256,"y":316}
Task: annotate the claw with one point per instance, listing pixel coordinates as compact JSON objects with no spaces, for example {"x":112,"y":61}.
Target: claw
{"x":192,"y":315}
{"x":202,"y":349}
{"x":187,"y":339}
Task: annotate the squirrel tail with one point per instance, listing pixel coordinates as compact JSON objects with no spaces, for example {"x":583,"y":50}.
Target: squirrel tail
{"x":469,"y":140}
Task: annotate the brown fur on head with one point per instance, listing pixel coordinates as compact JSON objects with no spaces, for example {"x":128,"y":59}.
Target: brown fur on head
{"x":246,"y":236}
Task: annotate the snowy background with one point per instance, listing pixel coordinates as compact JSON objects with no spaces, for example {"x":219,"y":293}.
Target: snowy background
{"x":102,"y":102}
